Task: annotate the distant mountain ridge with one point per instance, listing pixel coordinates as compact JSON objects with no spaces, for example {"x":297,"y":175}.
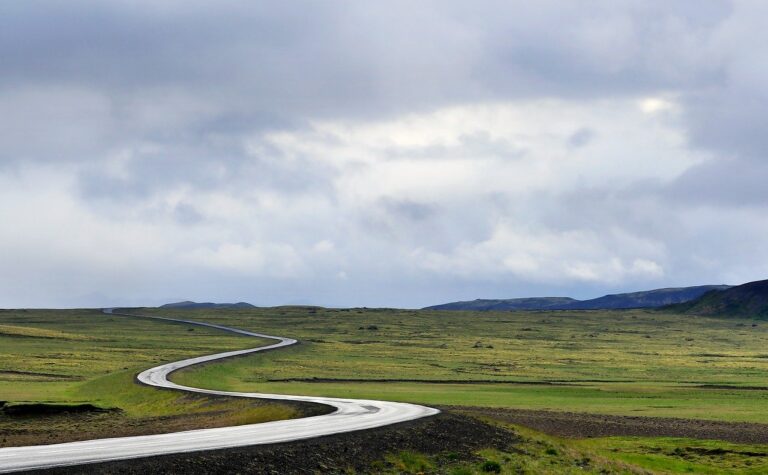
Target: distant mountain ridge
{"x":748,"y":300}
{"x":644,"y":299}
{"x":531,"y":303}
{"x":188,"y":305}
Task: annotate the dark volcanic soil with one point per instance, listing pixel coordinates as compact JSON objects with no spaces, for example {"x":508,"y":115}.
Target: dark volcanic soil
{"x":457,"y":434}
{"x":581,"y":425}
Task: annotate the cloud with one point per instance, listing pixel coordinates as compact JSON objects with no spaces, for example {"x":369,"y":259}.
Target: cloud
{"x":270,"y":260}
{"x":581,"y":137}
{"x":543,"y":255}
{"x":351,"y":154}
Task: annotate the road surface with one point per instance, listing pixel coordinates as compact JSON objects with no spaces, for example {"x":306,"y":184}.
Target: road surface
{"x":349,"y":415}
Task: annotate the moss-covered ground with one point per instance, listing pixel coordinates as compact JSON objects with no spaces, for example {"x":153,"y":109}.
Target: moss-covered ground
{"x":623,"y":362}
{"x":69,"y":357}
{"x":631,"y":363}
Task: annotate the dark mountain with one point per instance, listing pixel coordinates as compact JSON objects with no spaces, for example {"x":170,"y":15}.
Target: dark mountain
{"x":645,"y":299}
{"x":749,"y":300}
{"x":533,"y":303}
{"x":188,"y":305}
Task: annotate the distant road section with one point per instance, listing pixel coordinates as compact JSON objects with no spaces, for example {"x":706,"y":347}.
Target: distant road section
{"x":350,"y":415}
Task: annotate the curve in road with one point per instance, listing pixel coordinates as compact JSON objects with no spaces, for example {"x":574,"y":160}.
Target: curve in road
{"x":349,"y":415}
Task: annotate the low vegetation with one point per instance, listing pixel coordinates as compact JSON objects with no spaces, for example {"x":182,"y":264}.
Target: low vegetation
{"x":620,"y":363}
{"x":639,"y":362}
{"x":51,"y":360}
{"x":537,"y":453}
{"x":747,"y":300}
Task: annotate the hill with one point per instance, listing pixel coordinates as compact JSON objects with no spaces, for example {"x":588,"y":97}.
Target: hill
{"x":533,"y":303}
{"x":644,"y":299}
{"x":195,"y":305}
{"x":749,"y":300}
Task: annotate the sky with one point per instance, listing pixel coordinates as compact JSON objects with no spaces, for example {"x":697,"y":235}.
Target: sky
{"x":383,"y":153}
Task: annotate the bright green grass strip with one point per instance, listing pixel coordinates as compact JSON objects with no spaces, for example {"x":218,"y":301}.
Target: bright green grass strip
{"x":681,"y":455}
{"x":99,"y":365}
{"x":660,"y":402}
{"x":31,"y":332}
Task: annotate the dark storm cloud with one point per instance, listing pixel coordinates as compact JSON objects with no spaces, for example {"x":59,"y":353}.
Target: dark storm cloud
{"x":87,"y":77}
{"x":726,"y":118}
{"x":331,"y":58}
{"x":723,"y":183}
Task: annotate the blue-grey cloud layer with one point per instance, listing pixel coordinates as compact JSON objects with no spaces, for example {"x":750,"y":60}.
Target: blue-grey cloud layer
{"x":261,"y":150}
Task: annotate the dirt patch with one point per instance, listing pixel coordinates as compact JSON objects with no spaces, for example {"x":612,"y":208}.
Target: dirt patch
{"x":446,"y":433}
{"x":427,"y":381}
{"x":39,"y":409}
{"x":718,"y":452}
{"x":728,"y":386}
{"x":31,"y":374}
{"x":581,"y":425}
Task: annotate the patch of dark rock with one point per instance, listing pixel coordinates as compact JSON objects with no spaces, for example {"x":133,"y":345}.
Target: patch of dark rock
{"x":728,"y":386}
{"x":582,"y":425}
{"x":40,"y":409}
{"x":720,"y":452}
{"x":12,"y":372}
{"x":427,"y":381}
{"x":444,"y":433}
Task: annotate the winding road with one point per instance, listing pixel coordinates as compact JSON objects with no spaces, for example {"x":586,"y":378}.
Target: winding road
{"x":349,"y":415}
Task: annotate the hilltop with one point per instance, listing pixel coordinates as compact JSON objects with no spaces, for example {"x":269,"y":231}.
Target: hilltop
{"x":643,"y":299}
{"x":532,"y":303}
{"x":188,"y":305}
{"x":749,"y":300}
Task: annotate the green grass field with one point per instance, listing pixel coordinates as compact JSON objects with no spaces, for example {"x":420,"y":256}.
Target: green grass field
{"x":637,"y":363}
{"x":537,"y":453}
{"x":83,"y":356}
{"x":630,"y":362}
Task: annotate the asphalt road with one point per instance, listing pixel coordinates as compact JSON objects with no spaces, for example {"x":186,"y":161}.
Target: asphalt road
{"x":350,"y":415}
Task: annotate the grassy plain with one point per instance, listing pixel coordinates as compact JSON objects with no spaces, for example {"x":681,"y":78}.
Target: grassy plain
{"x":82,"y":356}
{"x":620,"y":362}
{"x":538,"y":453}
{"x":636,"y":363}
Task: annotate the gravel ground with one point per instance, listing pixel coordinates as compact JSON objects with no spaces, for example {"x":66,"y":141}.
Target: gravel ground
{"x":444,"y":433}
{"x":581,"y":425}
{"x":454,"y":432}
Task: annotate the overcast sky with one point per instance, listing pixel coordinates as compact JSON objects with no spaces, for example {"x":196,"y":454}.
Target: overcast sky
{"x":391,"y":153}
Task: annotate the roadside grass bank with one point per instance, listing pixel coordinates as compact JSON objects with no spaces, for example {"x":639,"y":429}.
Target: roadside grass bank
{"x":538,"y":453}
{"x":75,"y":357}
